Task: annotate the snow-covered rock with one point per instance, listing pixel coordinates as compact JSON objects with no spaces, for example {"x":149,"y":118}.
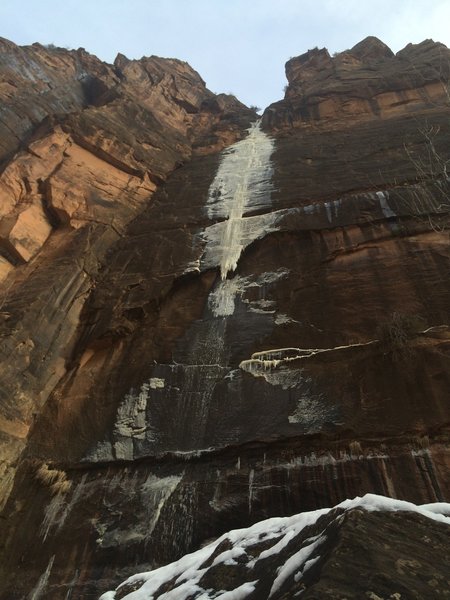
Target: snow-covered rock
{"x":281,"y":557}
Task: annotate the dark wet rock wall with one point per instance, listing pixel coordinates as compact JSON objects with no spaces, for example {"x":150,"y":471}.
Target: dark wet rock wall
{"x":212,"y":339}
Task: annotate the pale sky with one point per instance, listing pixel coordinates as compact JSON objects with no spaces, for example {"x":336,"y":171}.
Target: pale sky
{"x":237,"y":46}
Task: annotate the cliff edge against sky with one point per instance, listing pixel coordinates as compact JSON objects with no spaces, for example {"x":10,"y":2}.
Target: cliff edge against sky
{"x":208,"y":320}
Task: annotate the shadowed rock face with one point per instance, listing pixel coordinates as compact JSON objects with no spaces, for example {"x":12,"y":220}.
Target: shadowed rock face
{"x":195,"y":340}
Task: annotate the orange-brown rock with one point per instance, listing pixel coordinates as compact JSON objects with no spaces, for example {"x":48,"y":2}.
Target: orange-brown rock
{"x":366,"y":82}
{"x":83,"y":147}
{"x":36,"y":81}
{"x":152,"y":397}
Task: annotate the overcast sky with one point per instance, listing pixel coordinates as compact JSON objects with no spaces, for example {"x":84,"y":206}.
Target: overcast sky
{"x":237,"y":46}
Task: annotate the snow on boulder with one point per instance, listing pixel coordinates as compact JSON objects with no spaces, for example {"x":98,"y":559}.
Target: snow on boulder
{"x":281,"y":557}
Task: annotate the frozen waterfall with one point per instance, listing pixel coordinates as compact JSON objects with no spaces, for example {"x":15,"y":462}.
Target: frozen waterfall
{"x":173,"y":409}
{"x":242,"y":183}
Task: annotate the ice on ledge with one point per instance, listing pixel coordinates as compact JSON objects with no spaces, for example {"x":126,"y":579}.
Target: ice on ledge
{"x":267,"y":360}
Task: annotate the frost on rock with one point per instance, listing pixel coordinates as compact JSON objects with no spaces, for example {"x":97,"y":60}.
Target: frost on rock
{"x":221,"y":300}
{"x":131,"y":424}
{"x":311,"y":412}
{"x":151,"y":497}
{"x":282,"y":319}
{"x":60,"y":507}
{"x":262,"y":306}
{"x":283,"y":559}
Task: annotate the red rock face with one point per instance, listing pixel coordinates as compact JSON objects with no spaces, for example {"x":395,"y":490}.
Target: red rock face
{"x":366,"y":82}
{"x":82,"y":155}
{"x":194,"y":341}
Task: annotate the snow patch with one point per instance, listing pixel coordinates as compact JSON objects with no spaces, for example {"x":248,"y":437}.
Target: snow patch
{"x":239,"y":593}
{"x":188,"y":571}
{"x":59,"y":509}
{"x":295,"y":563}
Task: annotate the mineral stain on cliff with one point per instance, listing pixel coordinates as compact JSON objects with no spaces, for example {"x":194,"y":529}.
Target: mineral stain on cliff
{"x":207,"y":320}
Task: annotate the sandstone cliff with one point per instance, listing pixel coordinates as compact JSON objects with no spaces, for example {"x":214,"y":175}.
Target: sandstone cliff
{"x":82,"y":154}
{"x":204,"y":326}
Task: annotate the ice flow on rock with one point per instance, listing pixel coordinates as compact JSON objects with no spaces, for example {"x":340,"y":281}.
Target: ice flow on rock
{"x":242,"y":182}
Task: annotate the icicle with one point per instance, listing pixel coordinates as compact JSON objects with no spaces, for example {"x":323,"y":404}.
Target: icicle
{"x":251,"y":477}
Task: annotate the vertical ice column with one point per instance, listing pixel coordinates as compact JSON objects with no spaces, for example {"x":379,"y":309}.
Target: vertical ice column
{"x":242,"y":182}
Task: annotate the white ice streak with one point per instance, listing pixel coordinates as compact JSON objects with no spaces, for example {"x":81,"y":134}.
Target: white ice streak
{"x":245,"y":231}
{"x":328,"y":210}
{"x":243,"y":181}
{"x":41,"y":585}
{"x":156,"y":491}
{"x":60,"y":507}
{"x":221,"y":300}
{"x":385,"y":208}
{"x":188,"y":571}
{"x":323,"y":460}
{"x":251,"y":478}
{"x":153,"y":494}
